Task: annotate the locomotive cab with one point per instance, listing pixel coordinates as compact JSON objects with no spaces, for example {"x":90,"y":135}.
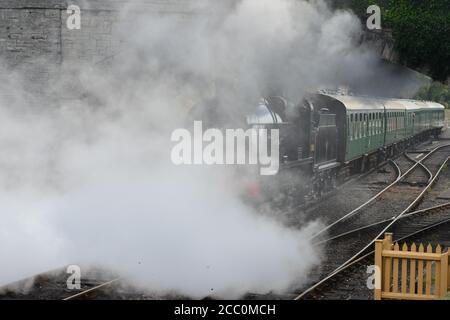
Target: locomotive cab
{"x":293,"y":125}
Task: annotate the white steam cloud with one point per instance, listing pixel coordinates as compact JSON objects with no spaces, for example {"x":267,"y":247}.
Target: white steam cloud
{"x":93,"y":182}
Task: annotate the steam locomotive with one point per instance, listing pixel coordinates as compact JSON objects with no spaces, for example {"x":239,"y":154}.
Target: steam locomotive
{"x":328,"y":137}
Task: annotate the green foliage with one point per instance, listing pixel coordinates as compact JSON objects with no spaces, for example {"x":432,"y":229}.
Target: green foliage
{"x":360,"y":6}
{"x":435,"y":91}
{"x":421,"y":30}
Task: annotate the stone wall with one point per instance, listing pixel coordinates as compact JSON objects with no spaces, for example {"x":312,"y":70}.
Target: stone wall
{"x":30,"y":40}
{"x":382,"y":42}
{"x":34,"y":36}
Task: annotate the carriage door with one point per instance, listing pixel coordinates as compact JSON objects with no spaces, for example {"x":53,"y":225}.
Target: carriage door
{"x":326,"y":139}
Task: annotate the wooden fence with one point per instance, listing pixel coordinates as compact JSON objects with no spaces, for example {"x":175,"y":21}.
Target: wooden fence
{"x":410,"y":273}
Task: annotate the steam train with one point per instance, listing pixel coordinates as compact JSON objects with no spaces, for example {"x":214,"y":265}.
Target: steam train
{"x":328,"y":137}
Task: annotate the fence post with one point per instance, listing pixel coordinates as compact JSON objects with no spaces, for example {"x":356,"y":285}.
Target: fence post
{"x":387,"y":262}
{"x":378,"y":268}
{"x":448,"y":268}
{"x":388,"y":241}
{"x":444,"y":275}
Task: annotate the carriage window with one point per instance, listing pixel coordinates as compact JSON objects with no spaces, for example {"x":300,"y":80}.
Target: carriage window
{"x":380,"y":121}
{"x":388,"y":121}
{"x":359,"y":125}
{"x":353,"y":126}
{"x":391,"y":117}
{"x":374,"y":127}
{"x":392,"y":122}
{"x":372,"y":124}
{"x":350,"y":128}
{"x":356,"y":126}
{"x":365,"y":126}
{"x":377,"y":123}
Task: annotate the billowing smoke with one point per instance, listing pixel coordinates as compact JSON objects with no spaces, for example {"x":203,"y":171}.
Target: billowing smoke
{"x":92,"y":182}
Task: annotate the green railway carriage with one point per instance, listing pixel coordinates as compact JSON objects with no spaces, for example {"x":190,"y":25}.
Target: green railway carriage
{"x":364,"y":128}
{"x":371,"y":124}
{"x":395,"y":114}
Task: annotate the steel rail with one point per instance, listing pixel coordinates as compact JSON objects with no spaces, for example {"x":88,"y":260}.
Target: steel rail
{"x":379,"y":194}
{"x":351,"y":213}
{"x":408,"y":215}
{"x":424,"y":167}
{"x":411,"y":205}
{"x":85,"y":292}
{"x":313,"y":206}
{"x":371,"y":253}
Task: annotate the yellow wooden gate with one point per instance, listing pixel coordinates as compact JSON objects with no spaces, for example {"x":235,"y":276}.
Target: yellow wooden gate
{"x":410,"y":273}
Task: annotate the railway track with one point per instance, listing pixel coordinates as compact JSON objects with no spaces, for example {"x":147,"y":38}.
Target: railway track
{"x":402,"y":174}
{"x":52,"y":285}
{"x":361,"y":186}
{"x":351,"y":281}
{"x":347,"y":196}
{"x":407,"y":192}
{"x":438,"y":212}
{"x":86,"y":293}
{"x":96,"y":284}
{"x":357,"y":190}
